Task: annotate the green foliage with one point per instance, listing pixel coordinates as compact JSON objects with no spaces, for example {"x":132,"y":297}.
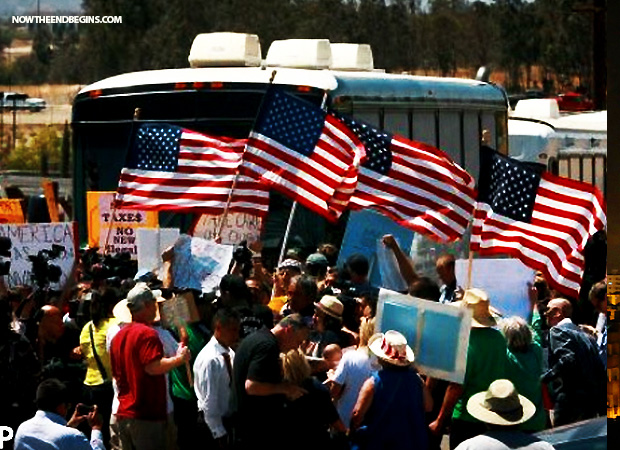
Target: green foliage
{"x":35,"y":150}
{"x":510,"y":35}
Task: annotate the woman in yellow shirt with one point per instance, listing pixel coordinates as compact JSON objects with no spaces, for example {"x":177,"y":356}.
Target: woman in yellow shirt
{"x":98,"y":381}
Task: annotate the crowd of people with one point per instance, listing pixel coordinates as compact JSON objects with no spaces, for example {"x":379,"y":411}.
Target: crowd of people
{"x":289,"y":358}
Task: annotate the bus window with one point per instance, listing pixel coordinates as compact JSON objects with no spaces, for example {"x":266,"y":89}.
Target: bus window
{"x":450,"y":134}
{"x":423,"y":126}
{"x":396,"y":121}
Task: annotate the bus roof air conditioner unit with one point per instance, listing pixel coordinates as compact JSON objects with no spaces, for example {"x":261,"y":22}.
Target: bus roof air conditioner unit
{"x":300,"y":54}
{"x":225,"y":49}
{"x":352,"y":57}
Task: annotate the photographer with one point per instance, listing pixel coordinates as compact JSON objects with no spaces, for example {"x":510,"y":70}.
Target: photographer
{"x":49,"y":428}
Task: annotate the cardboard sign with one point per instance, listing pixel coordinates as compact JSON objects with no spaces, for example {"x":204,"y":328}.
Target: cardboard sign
{"x":237,"y":227}
{"x":151,"y":244}
{"x":438,"y":334}
{"x":364,"y":231}
{"x":505,"y":280}
{"x":11,"y":211}
{"x":50,"y":198}
{"x":200,"y":264}
{"x":29,"y":239}
{"x":120,"y":224}
{"x":175,"y":311}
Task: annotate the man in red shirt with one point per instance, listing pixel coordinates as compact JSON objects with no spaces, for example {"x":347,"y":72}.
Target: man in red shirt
{"x":138,"y":366}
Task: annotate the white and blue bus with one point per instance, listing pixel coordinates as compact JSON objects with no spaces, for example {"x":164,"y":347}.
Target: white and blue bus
{"x":222,"y":90}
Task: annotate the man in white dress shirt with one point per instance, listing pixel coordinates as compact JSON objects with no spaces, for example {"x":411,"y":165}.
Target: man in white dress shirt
{"x":213,"y":376}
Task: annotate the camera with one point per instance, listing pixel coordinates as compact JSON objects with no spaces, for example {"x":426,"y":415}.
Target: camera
{"x":84,"y":410}
{"x":43,"y":272}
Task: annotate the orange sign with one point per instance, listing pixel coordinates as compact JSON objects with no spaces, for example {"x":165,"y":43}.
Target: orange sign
{"x":11,"y":211}
{"x":115,"y":229}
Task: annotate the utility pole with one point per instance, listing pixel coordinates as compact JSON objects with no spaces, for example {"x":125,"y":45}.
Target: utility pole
{"x":598,"y":10}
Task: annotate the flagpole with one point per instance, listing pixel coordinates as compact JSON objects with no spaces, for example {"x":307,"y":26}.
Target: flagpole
{"x":136,"y":117}
{"x":232,"y":188}
{"x":294,"y":207}
{"x":469,"y":269}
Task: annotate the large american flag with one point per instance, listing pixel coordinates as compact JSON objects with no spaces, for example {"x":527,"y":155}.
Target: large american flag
{"x":172,"y":168}
{"x":304,"y":152}
{"x":415,"y":184}
{"x":541,"y":219}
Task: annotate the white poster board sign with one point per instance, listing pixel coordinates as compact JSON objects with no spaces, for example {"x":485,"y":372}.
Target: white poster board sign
{"x":200,"y":264}
{"x":505,"y":280}
{"x":237,"y":227}
{"x":151,"y":244}
{"x":438,"y":334}
{"x":31,"y":238}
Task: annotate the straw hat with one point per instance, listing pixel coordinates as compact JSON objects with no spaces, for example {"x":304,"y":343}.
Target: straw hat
{"x":501,"y":404}
{"x":331,"y":306}
{"x":392,"y":348}
{"x":478,"y":301}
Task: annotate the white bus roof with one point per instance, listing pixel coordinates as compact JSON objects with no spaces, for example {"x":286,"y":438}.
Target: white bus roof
{"x":341,"y":83}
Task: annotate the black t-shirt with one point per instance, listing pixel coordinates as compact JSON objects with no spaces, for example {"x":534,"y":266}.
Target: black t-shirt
{"x":257,"y":359}
{"x":308,"y":418}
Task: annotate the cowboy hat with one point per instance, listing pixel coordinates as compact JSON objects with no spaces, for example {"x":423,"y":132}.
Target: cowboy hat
{"x":391,"y":347}
{"x":501,"y":404}
{"x":478,"y":301}
{"x":331,"y":306}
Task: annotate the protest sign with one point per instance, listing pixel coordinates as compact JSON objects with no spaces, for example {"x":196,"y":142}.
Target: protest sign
{"x":364,"y":231}
{"x":200,"y":264}
{"x":237,"y":227}
{"x":123,"y":224}
{"x":11,"y":211}
{"x":151,"y":243}
{"x":505,"y":280}
{"x":438,"y":334}
{"x":30,"y":239}
{"x":50,"y":198}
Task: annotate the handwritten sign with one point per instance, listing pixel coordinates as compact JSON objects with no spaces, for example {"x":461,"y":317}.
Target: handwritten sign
{"x":29,"y":239}
{"x":364,"y":231}
{"x":438,"y":354}
{"x":120,"y":224}
{"x":11,"y":211}
{"x":200,"y":264}
{"x":237,"y":227}
{"x":151,"y":244}
{"x":505,"y":280}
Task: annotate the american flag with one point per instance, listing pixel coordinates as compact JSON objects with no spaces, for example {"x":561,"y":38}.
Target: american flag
{"x":172,"y":168}
{"x":415,"y":184}
{"x":541,"y":219}
{"x":302,"y":151}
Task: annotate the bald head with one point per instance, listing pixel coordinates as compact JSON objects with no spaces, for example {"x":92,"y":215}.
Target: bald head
{"x":51,"y":327}
{"x":558,"y":309}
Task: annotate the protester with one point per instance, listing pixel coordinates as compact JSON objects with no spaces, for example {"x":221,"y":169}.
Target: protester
{"x":286,"y":270}
{"x":352,"y":371}
{"x":301,"y":295}
{"x":524,"y":368}
{"x":213,"y":380}
{"x":503,"y":409}
{"x":576,"y":374}
{"x":259,"y":391}
{"x":98,"y":381}
{"x":139,"y":365}
{"x":391,"y":403}
{"x":316,"y":266}
{"x":486,"y":362}
{"x":598,"y":298}
{"x":309,"y":418}
{"x":49,"y":429}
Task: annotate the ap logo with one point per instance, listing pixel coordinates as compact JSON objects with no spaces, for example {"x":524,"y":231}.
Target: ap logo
{"x":6,"y":434}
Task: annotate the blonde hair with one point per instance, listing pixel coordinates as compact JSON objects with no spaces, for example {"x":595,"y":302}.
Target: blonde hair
{"x":367,"y":329}
{"x":295,"y":367}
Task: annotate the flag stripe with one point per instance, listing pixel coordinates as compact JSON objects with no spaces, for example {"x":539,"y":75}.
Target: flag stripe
{"x":202,"y":180}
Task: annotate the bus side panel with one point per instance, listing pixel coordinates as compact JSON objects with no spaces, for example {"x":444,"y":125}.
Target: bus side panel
{"x":450,"y":135}
{"x":423,"y":126}
{"x":471,"y":140}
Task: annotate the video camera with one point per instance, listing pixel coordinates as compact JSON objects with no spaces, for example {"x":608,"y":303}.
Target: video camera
{"x":118,"y":266}
{"x":43,"y":272}
{"x":5,"y":252}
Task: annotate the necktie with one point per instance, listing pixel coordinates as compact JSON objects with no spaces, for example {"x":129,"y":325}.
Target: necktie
{"x":226,"y":357}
